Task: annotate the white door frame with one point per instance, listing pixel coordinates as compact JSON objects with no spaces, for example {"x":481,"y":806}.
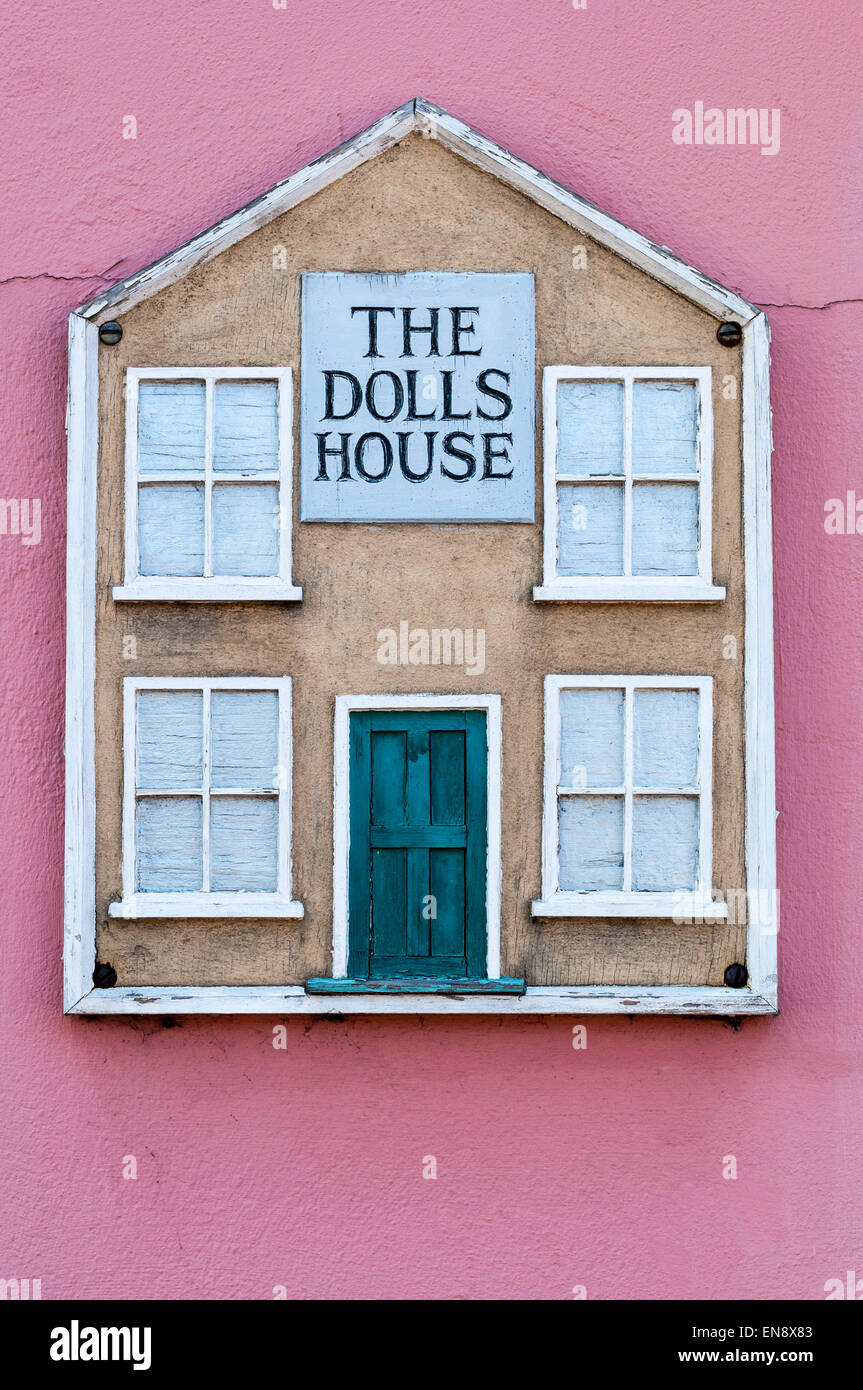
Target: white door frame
{"x":345,"y":706}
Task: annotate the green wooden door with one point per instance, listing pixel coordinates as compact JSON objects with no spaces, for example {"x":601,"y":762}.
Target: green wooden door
{"x":417,"y":879}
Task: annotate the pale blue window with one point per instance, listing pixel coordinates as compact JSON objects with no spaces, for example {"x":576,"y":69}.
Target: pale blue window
{"x":629,"y":477}
{"x":207,"y":790}
{"x":207,"y":490}
{"x":629,"y":789}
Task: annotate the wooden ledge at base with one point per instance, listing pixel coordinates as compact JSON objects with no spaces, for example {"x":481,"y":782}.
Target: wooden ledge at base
{"x":326,"y":985}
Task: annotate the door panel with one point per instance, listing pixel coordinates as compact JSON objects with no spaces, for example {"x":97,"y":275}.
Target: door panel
{"x":389,"y":895}
{"x":389,"y":777}
{"x":418,"y":844}
{"x":447,"y":776}
{"x":447,"y":889}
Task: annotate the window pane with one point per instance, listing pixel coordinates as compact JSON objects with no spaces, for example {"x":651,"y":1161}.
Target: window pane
{"x":591,"y":738}
{"x":171,"y":529}
{"x":169,"y":836}
{"x":665,"y":528}
{"x":664,"y":843}
{"x":171,"y":426}
{"x":244,"y":738}
{"x":590,"y":529}
{"x":590,"y":831}
{"x":246,"y":427}
{"x":243,"y":844}
{"x":665,"y":738}
{"x":590,"y":427}
{"x":245,"y":529}
{"x":664,"y":427}
{"x":169,"y":738}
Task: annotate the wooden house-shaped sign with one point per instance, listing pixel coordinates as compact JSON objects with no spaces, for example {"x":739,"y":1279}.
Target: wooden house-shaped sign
{"x":419,"y":608}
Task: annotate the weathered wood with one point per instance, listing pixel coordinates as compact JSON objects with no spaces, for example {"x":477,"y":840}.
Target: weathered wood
{"x":171,"y":427}
{"x":458,"y":985}
{"x":282,"y":1000}
{"x":244,"y":738}
{"x":79,"y":896}
{"x":431,"y":122}
{"x":245,"y":529}
{"x":664,"y":843}
{"x":170,"y":739}
{"x":418,"y":849}
{"x":664,"y":427}
{"x":634,"y":850}
{"x":228,"y":856}
{"x":591,"y":738}
{"x":590,"y":529}
{"x":590,"y":428}
{"x":650,"y":538}
{"x":665,"y":738}
{"x":664,"y":528}
{"x":591,"y":843}
{"x":245,"y":427}
{"x":759,"y":702}
{"x":208,"y":484}
{"x":171,"y":528}
{"x":244,"y":844}
{"x":169,"y":844}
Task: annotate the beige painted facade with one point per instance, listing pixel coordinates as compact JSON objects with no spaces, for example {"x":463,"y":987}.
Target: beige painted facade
{"x":419,"y":207}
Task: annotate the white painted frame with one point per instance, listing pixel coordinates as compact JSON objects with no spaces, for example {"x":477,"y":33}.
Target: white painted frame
{"x":345,"y":706}
{"x":626,"y":903}
{"x":82,"y":425}
{"x":698,"y":588}
{"x":135,"y":905}
{"x":209,"y":589}
{"x":424,"y":118}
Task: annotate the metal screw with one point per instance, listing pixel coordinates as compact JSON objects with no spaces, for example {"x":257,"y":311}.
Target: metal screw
{"x":736,"y":976}
{"x":728,"y":334}
{"x":110,"y":333}
{"x":104,"y":976}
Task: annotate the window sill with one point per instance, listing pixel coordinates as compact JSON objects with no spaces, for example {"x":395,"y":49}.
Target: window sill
{"x":211,"y":905}
{"x":206,"y":591}
{"x":567,"y":1001}
{"x":611,"y":590}
{"x":325,"y":985}
{"x":682,"y":907}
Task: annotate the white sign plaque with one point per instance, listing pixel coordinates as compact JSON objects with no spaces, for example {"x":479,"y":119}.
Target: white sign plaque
{"x":417,"y":397}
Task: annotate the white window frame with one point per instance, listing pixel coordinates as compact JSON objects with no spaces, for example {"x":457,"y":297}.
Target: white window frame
{"x":698,"y":588}
{"x":135,"y":904}
{"x":697,"y":902}
{"x":207,"y":588}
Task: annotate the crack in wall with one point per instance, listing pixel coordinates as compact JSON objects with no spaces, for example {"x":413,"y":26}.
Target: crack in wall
{"x":764,"y":304}
{"x":105,"y":277}
{"x":49,"y":275}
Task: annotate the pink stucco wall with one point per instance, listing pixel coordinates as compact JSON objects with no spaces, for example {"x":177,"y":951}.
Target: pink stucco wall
{"x":556,"y":1167}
